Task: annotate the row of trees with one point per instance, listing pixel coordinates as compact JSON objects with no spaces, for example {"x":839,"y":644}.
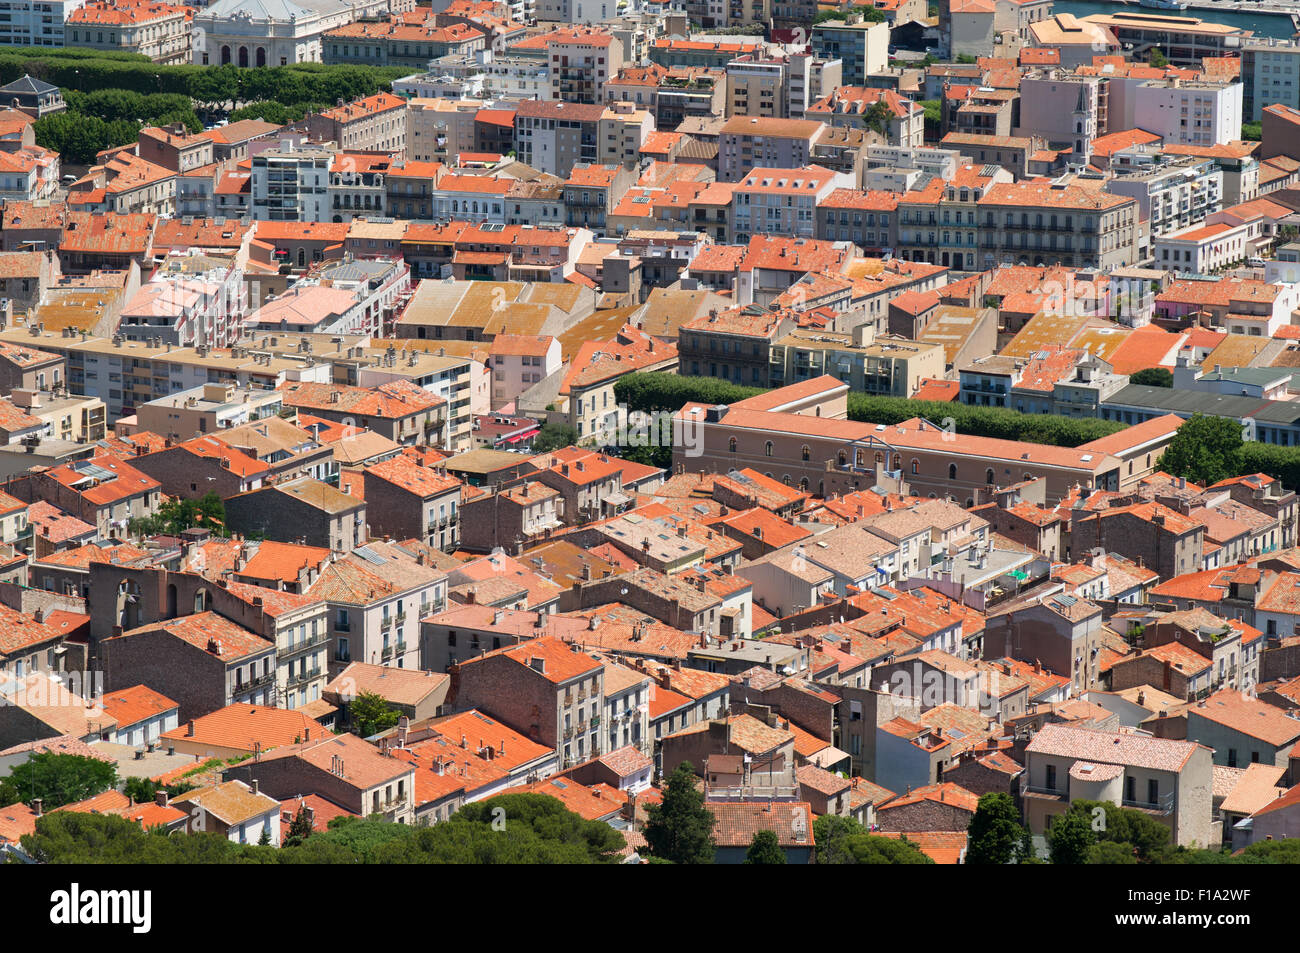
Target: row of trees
{"x":212,"y":88}
{"x":273,"y":112}
{"x":508,"y":829}
{"x":662,"y":391}
{"x":529,"y":828}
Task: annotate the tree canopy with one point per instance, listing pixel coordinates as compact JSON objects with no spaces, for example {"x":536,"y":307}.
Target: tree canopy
{"x":554,"y":436}
{"x":681,"y":828}
{"x":996,"y":835}
{"x":1153,"y":377}
{"x":57,"y":779}
{"x":513,"y":828}
{"x":174,"y":516}
{"x":371,"y":714}
{"x":874,"y":849}
{"x":1205,"y":450}
{"x":765,"y":849}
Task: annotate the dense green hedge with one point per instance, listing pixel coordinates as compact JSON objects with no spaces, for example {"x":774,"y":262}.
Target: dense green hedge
{"x":983,"y":421}
{"x":661,"y":391}
{"x":666,"y":391}
{"x":88,"y":70}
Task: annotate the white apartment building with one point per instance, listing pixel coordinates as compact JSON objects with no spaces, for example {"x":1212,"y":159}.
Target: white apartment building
{"x":291,"y":184}
{"x":186,"y":310}
{"x":1270,"y":73}
{"x":1203,"y":250}
{"x":35,"y":22}
{"x":1172,"y":196}
{"x":1192,"y":114}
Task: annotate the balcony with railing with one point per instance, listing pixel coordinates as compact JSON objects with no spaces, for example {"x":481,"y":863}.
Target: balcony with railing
{"x":1164,"y":804}
{"x":296,"y":648}
{"x":295,"y":679}
{"x":267,"y":678}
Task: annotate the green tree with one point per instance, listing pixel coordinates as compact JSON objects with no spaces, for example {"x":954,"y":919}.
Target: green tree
{"x":874,"y":849}
{"x":553,"y":436}
{"x":933,"y":110}
{"x":681,"y":828}
{"x":177,"y":515}
{"x":265,"y":838}
{"x":1141,"y":835}
{"x":144,"y":790}
{"x":300,"y":828}
{"x":371,"y":714}
{"x":995,"y":832}
{"x":877,"y":118}
{"x":1110,"y":852}
{"x":546,"y":817}
{"x":1205,"y":450}
{"x":765,"y":849}
{"x":1252,"y":131}
{"x":1158,"y":59}
{"x":831,"y":832}
{"x":536,"y":829}
{"x":1070,"y":837}
{"x":966,"y":59}
{"x":660,"y":457}
{"x":57,"y":779}
{"x":1153,"y":377}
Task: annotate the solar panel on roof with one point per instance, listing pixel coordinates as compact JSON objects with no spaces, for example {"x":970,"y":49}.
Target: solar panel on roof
{"x":370,"y":556}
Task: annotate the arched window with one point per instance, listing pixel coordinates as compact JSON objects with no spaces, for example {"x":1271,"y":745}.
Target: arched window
{"x":952,"y":471}
{"x":806,"y":452}
{"x":988,"y":475}
{"x":879,"y":457}
{"x":785,"y":478}
{"x":1028,"y":476}
{"x":898,"y":461}
{"x":767,"y":449}
{"x":803,"y":485}
{"x":843,"y":458}
{"x":915,"y":464}
{"x":731,"y":445}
